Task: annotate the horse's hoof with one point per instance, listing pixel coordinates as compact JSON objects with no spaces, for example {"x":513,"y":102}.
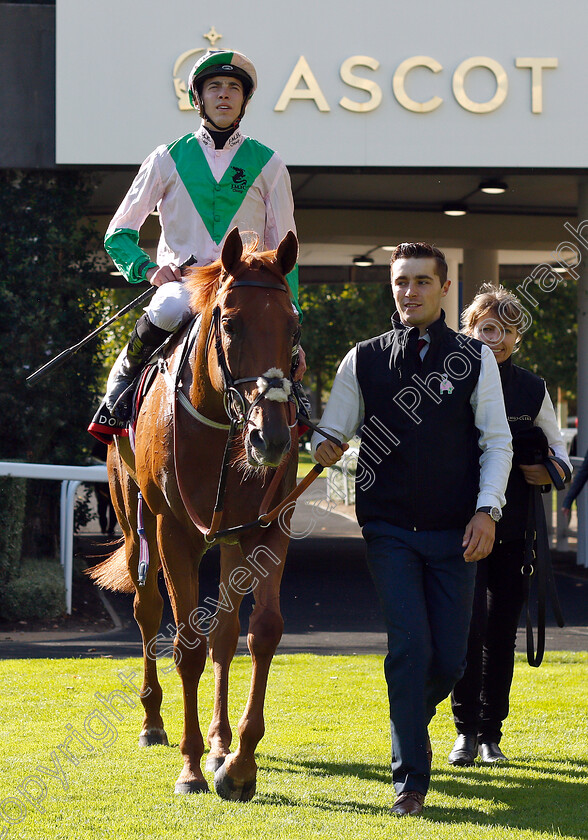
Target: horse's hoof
{"x":191,"y":787}
{"x":232,"y":790}
{"x":152,"y":737}
{"x":213,"y":762}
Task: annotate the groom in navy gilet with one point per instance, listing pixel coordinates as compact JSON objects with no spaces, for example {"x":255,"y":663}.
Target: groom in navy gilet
{"x":432,"y":470}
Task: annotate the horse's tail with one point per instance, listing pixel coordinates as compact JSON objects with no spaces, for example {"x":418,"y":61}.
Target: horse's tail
{"x":113,"y":573}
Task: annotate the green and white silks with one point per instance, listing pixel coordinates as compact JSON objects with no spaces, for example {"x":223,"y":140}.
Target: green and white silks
{"x":201,"y":194}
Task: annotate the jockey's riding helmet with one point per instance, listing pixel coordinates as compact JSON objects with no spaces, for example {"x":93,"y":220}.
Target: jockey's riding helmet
{"x":221,"y":63}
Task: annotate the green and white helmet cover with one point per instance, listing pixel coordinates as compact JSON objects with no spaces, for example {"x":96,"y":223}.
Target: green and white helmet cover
{"x":221,"y":63}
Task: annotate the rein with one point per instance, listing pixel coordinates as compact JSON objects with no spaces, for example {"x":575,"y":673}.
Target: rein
{"x":269,"y":387}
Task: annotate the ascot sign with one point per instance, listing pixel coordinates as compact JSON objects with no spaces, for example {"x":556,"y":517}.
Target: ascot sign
{"x":302,"y":73}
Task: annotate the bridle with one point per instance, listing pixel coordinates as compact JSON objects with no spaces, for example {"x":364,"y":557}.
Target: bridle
{"x":237,"y":406}
{"x":239,"y":409}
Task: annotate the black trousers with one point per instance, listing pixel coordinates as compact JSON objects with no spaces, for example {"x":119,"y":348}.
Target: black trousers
{"x":480,"y":699}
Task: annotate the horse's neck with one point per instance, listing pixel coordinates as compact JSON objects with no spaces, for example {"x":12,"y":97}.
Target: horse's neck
{"x":203,"y":395}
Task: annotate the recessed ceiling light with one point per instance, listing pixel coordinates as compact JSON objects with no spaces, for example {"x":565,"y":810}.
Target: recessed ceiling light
{"x":493,"y":187}
{"x":363,"y":261}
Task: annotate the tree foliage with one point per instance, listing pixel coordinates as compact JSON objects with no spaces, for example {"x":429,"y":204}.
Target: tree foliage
{"x":47,"y":303}
{"x":549,"y":345}
{"x":337,"y":316}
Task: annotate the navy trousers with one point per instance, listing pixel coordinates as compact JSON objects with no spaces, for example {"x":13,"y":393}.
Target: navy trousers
{"x":426,"y":590}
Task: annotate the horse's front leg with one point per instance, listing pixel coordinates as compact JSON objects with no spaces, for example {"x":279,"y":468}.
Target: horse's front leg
{"x":148,"y":609}
{"x":147,"y":604}
{"x":180,"y":562}
{"x":223,"y":639}
{"x":236,"y":778}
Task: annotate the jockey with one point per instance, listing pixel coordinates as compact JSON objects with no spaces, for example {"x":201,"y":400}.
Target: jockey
{"x":202,"y":186}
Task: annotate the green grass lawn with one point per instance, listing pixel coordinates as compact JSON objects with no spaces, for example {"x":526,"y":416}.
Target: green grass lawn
{"x":305,"y":463}
{"x":323,"y":764}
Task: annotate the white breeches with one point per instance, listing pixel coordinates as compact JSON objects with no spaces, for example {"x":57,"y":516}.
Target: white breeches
{"x":169,"y":307}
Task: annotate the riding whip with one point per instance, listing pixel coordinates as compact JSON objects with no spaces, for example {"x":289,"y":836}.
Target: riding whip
{"x":65,"y":354}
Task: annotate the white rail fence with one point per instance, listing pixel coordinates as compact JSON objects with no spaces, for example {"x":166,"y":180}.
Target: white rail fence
{"x":71,"y":478}
{"x":340,"y":488}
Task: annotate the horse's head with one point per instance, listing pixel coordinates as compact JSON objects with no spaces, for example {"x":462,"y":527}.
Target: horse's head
{"x":257,"y":328}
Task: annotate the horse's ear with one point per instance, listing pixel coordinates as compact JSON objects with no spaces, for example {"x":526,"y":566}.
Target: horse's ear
{"x":287,"y":253}
{"x":232,"y":251}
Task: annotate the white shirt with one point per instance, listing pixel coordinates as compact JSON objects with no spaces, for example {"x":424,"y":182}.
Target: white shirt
{"x":345,"y":412}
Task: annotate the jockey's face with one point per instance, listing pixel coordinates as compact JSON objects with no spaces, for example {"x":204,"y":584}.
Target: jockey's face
{"x":223,"y":99}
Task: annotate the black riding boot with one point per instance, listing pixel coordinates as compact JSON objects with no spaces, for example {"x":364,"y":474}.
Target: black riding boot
{"x":144,"y":341}
{"x":302,"y":401}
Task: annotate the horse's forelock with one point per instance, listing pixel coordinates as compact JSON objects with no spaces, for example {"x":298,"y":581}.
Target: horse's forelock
{"x":205,"y":282}
{"x":256,"y":261}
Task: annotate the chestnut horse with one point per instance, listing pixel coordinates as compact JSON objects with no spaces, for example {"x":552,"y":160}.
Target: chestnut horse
{"x":247,"y":333}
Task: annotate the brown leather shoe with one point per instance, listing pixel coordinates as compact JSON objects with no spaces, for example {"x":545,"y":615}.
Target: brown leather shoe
{"x":408,"y":803}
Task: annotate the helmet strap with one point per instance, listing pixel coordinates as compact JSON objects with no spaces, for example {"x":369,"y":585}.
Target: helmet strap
{"x":204,"y":115}
{"x":230,"y":128}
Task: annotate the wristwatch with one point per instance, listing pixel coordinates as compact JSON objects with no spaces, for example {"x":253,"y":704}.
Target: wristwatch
{"x":493,"y":512}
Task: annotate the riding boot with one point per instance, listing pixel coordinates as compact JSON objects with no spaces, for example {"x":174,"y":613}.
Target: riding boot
{"x":144,"y":340}
{"x":302,"y":401}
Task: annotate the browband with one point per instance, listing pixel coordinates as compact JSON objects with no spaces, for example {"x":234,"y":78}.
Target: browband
{"x":278,"y":286}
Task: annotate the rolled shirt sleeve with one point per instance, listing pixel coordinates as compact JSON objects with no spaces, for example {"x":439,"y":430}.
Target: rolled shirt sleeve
{"x":122,"y":237}
{"x":495,"y":438}
{"x":345,"y":408}
{"x":279,"y":219}
{"x":547,"y":421}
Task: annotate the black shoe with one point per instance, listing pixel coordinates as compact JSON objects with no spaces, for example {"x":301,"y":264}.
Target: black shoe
{"x":464,"y":751}
{"x":490,"y":752}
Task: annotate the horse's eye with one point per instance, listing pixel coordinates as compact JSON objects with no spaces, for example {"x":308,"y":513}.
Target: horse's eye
{"x":228,"y":327}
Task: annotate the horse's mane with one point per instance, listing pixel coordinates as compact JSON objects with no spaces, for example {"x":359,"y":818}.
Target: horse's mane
{"x":204,"y":283}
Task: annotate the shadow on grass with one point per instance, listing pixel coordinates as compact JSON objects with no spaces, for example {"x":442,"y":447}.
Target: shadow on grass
{"x":369,"y":772}
{"x":552,"y":798}
{"x":322,"y":804}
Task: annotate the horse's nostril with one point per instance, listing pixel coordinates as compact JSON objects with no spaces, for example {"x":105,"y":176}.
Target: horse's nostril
{"x":257,"y":440}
